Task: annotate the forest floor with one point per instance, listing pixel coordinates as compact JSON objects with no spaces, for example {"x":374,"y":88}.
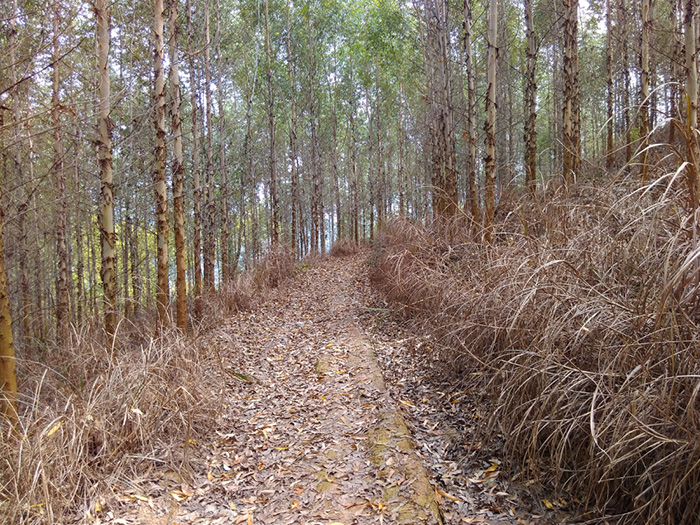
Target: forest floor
{"x":319,"y":389}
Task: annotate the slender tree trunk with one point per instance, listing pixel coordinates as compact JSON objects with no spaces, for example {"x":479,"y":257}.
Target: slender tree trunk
{"x":104,"y":158}
{"x":136,"y":284}
{"x":530,"y":101}
{"x":160,"y":190}
{"x":39,"y":330}
{"x":209,"y":247}
{"x":178,"y":172}
{"x":197,"y":236}
{"x":490,"y":127}
{"x":691,"y":87}
{"x":292,"y":133}
{"x":623,"y":36}
{"x":334,"y":157}
{"x":381,"y":174}
{"x":317,"y":214}
{"x":572,"y":152}
{"x":223,"y":169}
{"x":441,"y":111}
{"x":8,"y":377}
{"x":354,"y":183}
{"x":610,"y":89}
{"x":472,"y":190}
{"x":26,"y":311}
{"x":644,"y":108}
{"x":62,"y":292}
{"x":371,"y":179}
{"x":274,"y":201}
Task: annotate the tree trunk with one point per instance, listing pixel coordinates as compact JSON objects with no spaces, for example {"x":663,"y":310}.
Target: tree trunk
{"x":490,"y":127}
{"x":223,"y":169}
{"x":644,"y":107}
{"x":572,"y":152}
{"x":178,"y":173}
{"x":610,"y":89}
{"x":354,"y":183}
{"x":334,"y":157}
{"x":292,"y":134}
{"x":160,"y":190}
{"x":274,"y":203}
{"x":444,"y":176}
{"x":197,"y":236}
{"x":104,"y":158}
{"x":530,"y":102}
{"x":27,"y":312}
{"x":8,"y":377}
{"x":317,"y":227}
{"x":209,"y":246}
{"x":62,"y":292}
{"x":472,"y":189}
{"x":381,"y":174}
{"x":623,"y":37}
{"x":691,"y":87}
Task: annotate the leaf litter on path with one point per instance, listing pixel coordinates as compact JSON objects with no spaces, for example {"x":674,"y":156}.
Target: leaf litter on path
{"x":308,"y":432}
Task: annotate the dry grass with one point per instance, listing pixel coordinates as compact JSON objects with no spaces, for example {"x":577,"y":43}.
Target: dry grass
{"x":582,"y":318}
{"x":344,"y":248}
{"x":242,"y":291}
{"x":277,"y":265}
{"x":91,"y":421}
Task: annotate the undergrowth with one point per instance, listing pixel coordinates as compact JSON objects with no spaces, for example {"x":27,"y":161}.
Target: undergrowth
{"x":94,"y":418}
{"x":580,"y":322}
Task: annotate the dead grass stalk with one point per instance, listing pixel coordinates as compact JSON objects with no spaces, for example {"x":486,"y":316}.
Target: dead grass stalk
{"x":582,"y":318}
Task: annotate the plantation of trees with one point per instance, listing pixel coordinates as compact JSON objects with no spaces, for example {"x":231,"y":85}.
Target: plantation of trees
{"x":349,"y":262}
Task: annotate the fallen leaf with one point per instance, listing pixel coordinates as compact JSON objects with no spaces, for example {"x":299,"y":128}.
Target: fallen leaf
{"x":548,"y":504}
{"x":492,"y":468}
{"x":448,"y":496}
{"x":179,"y":495}
{"x":54,"y":428}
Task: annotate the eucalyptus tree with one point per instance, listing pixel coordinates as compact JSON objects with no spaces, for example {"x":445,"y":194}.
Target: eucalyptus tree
{"x":160,"y":189}
{"x":62,"y":282}
{"x":490,"y":126}
{"x":104,"y":154}
{"x":197,"y":191}
{"x":530,"y":100}
{"x":178,"y":171}
{"x":571,"y":123}
{"x":472,"y":201}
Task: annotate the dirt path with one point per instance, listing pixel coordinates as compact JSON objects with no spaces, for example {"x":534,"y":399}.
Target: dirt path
{"x":308,"y":433}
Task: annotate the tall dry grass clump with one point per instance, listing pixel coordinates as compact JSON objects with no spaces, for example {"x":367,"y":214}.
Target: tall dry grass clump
{"x":276,"y":266}
{"x":344,"y":248}
{"x":92,"y":418}
{"x":582,"y":316}
{"x":241,"y":291}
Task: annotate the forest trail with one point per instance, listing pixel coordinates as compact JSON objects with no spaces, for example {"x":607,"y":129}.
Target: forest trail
{"x":308,"y":433}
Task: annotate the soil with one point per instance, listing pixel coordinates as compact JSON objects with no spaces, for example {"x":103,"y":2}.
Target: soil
{"x":309,"y":432}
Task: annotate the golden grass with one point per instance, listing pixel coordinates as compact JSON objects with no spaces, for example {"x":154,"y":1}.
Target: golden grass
{"x":94,"y":419}
{"x":582,"y":317}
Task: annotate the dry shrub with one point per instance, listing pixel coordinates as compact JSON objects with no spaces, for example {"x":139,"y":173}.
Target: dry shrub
{"x":241,"y":291}
{"x":276,"y":266}
{"x":582,"y":317}
{"x":232,"y":296}
{"x":90,"y":420}
{"x":344,"y":248}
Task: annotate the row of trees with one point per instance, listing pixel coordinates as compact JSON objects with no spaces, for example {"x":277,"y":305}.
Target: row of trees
{"x":296,"y":123}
